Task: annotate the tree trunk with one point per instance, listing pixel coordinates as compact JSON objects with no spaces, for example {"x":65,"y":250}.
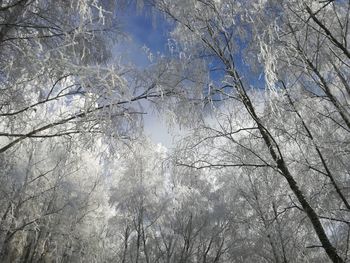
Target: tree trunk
{"x":282,"y":166}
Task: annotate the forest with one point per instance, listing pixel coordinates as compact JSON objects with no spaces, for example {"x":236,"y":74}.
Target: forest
{"x":256,"y":92}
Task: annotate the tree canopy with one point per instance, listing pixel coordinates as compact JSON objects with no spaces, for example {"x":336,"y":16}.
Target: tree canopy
{"x":261,"y":175}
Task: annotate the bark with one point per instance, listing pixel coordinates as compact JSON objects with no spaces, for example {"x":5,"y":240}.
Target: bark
{"x":126,"y":237}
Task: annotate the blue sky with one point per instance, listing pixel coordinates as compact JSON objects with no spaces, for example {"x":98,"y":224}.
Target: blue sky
{"x":147,"y":30}
{"x":151,"y":30}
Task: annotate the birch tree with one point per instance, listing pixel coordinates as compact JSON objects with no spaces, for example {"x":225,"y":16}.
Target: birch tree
{"x":275,"y":38}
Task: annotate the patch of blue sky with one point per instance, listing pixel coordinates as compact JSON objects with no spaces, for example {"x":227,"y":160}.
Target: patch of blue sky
{"x":252,"y":79}
{"x":148,"y":31}
{"x":217,"y":72}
